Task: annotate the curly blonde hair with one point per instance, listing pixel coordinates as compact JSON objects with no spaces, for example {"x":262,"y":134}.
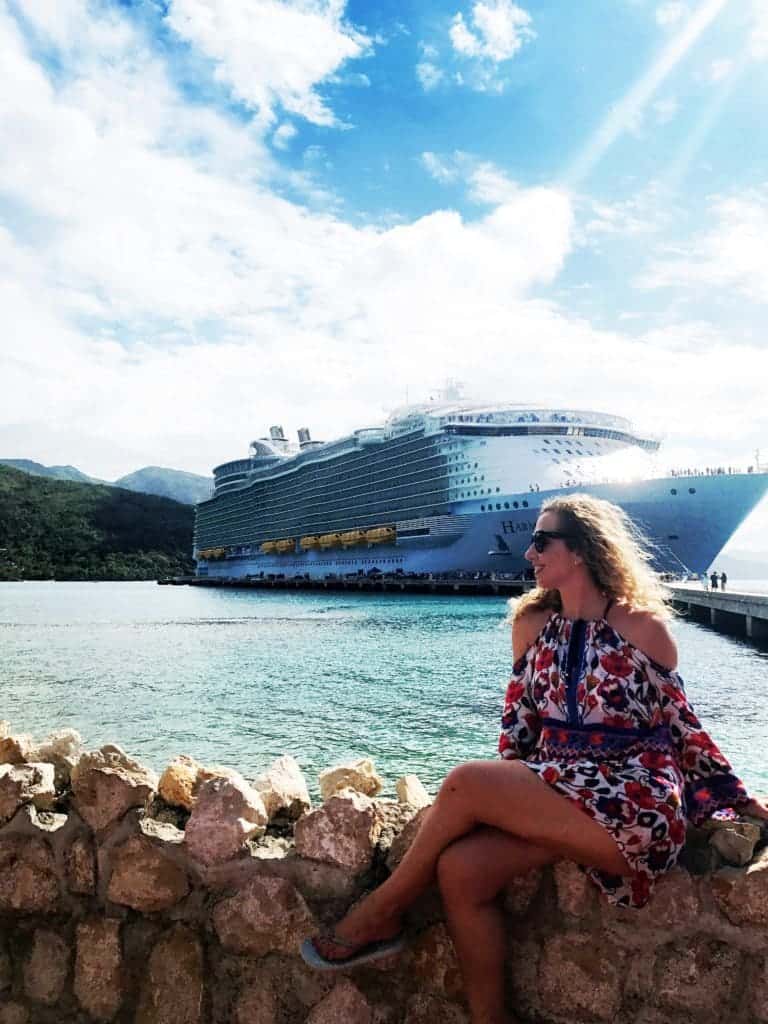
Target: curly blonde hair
{"x":615,"y":552}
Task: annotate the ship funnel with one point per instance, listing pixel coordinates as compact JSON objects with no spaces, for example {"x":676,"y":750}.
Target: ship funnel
{"x":276,"y":433}
{"x":304,"y":437}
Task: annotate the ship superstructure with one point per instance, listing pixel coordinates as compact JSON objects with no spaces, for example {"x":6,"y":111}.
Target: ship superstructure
{"x":450,"y":486}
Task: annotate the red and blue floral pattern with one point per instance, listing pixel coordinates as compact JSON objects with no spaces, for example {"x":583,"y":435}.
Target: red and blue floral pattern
{"x":607,"y":727}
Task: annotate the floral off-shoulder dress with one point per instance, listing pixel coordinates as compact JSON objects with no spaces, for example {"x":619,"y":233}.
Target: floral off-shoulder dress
{"x":607,"y":727}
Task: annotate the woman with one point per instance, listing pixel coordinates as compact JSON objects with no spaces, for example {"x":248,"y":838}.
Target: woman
{"x":602,"y":758}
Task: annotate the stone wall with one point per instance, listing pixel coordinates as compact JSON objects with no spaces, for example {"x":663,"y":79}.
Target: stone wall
{"x":182,"y":900}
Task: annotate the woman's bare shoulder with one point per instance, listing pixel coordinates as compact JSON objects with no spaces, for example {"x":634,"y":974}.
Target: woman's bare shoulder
{"x":647,"y":631}
{"x":526,"y":627}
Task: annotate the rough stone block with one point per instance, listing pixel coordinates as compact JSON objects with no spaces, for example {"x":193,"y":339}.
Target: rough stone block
{"x":6,"y":966}
{"x":316,"y":880}
{"x":759,"y":993}
{"x":63,"y":749}
{"x":742,"y":893}
{"x":24,"y":784}
{"x":227,"y":812}
{"x":423,"y":1008}
{"x":268,"y":915}
{"x":698,"y":977}
{"x":576,"y":895}
{"x":14,"y":1013}
{"x":520,"y":892}
{"x":411,"y":791}
{"x":28,"y":880}
{"x":80,"y":862}
{"x":674,"y":907}
{"x":345,"y":1002}
{"x":283,"y":789}
{"x":257,"y":1004}
{"x":106,"y":783}
{"x":736,"y":845}
{"x":432,"y":960}
{"x":172,"y":990}
{"x":99,"y":977}
{"x":401,"y":842}
{"x":343,"y":831}
{"x":359,"y":776}
{"x":522,"y":969}
{"x":14,"y":749}
{"x":46,"y":968}
{"x":179,"y":782}
{"x":578,"y":979}
{"x":144,"y":877}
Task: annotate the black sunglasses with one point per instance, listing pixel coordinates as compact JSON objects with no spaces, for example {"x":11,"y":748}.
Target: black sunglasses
{"x":541,"y":538}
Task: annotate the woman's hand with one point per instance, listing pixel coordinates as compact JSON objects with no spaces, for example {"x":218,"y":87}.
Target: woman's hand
{"x":757,"y":808}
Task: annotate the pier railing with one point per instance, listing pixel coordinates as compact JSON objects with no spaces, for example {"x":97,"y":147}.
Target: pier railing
{"x":739,"y":614}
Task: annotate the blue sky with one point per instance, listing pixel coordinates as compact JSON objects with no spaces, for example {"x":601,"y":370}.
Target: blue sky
{"x":220,"y":214}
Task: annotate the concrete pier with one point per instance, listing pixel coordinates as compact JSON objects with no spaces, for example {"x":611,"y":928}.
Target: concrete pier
{"x":738,"y":614}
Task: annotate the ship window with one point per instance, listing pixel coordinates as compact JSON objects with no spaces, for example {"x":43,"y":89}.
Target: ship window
{"x":482,"y":508}
{"x":498,"y":489}
{"x":673,"y":536}
{"x":525,"y":504}
{"x":498,"y":506}
{"x":515,"y":504}
{"x":506,"y":504}
{"x":691,"y":490}
{"x":673,"y":490}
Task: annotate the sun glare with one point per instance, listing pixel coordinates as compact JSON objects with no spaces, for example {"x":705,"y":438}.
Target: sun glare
{"x":628,"y":111}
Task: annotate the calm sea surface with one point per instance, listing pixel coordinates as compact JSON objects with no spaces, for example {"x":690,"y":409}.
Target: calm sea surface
{"x":240,"y":677}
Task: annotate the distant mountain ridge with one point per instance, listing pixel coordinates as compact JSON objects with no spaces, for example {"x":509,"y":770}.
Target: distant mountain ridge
{"x":69,"y":530}
{"x":53,"y":472}
{"x":187,"y":488}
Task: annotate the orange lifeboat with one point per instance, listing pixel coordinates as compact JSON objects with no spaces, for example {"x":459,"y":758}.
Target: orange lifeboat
{"x":352,"y":537}
{"x":380,"y":535}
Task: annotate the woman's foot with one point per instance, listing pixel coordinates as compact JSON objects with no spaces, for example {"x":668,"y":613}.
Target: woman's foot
{"x":355,"y":931}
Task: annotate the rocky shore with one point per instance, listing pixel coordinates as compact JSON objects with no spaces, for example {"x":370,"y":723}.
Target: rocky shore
{"x":182,"y":900}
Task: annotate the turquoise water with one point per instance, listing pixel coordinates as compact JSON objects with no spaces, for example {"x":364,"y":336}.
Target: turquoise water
{"x":240,"y":677}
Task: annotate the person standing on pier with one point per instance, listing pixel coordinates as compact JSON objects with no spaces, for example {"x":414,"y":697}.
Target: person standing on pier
{"x":602,"y":759}
{"x":723,"y":580}
{"x":713,"y":581}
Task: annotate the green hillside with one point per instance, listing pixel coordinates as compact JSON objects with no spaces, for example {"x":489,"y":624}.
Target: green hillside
{"x":52,"y":529}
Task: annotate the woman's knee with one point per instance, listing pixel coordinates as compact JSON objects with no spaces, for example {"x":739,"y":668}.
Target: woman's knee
{"x":461,"y":780}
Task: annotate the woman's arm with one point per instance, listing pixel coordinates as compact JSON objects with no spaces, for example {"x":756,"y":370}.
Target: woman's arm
{"x":525,"y":629}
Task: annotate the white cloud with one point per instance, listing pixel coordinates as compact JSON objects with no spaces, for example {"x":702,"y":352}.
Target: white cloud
{"x":626,"y":114}
{"x":272,"y":53}
{"x":643,"y":214}
{"x":430,"y":75}
{"x":444,"y":171}
{"x":162,"y":304}
{"x":671,"y":13}
{"x":733,"y":255}
{"x":485,"y":182}
{"x":283,"y":134}
{"x":499,"y":28}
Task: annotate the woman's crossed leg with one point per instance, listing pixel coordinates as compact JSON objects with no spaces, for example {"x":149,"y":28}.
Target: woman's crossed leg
{"x":491,"y":821}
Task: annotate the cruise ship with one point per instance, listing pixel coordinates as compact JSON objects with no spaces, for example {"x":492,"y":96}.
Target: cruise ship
{"x":452,"y":487}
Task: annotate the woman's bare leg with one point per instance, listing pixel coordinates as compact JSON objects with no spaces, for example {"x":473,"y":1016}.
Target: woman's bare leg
{"x":502,"y":794}
{"x":471,"y":873}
